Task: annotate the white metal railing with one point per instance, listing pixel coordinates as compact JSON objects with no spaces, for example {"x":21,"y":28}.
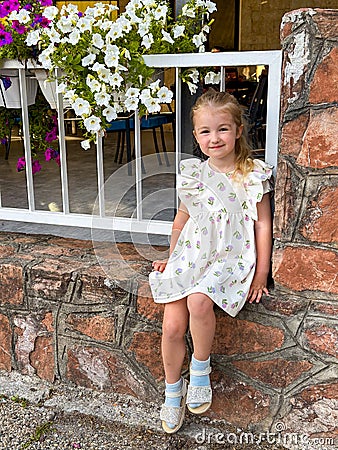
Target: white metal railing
{"x":99,"y":219}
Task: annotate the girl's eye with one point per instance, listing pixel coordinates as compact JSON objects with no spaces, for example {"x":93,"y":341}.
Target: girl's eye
{"x":223,"y":129}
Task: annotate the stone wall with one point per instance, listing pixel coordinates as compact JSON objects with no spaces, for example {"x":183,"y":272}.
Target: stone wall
{"x":276,"y":361}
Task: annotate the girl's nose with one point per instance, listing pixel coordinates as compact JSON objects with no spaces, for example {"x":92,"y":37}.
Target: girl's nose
{"x":214,"y":137}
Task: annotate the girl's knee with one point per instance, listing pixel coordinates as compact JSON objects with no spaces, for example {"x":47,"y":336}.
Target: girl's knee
{"x":173,"y":330}
{"x":200,"y":305}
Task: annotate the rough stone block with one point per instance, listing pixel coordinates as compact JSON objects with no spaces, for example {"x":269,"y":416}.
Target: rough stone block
{"x":278,"y":373}
{"x":322,"y":338}
{"x":303,"y":268}
{"x":5,"y":344}
{"x":236,"y":402}
{"x":11,"y":282}
{"x":292,"y":135}
{"x":235,"y":336}
{"x":98,"y":327}
{"x":146,"y":305}
{"x":50,"y":278}
{"x":320,"y":147}
{"x":102,"y":369}
{"x":288,"y":200}
{"x":27,"y":331}
{"x":324,"y":86}
{"x":147,"y":349}
{"x":42,"y":357}
{"x":316,"y":224}
{"x":314,"y":411}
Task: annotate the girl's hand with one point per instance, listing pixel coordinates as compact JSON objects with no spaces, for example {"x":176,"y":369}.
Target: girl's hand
{"x":257,"y":288}
{"x":160,"y":265}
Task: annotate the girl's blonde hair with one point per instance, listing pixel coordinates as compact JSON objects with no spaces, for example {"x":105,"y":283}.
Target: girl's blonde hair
{"x":227,"y":102}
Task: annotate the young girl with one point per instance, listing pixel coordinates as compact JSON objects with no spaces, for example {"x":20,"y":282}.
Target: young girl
{"x":219,"y":252}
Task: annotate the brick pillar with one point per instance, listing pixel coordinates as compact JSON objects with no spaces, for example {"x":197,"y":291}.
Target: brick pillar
{"x":306,"y":234}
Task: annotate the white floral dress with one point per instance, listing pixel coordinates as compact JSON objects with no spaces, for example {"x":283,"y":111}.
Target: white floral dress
{"x":215,"y":253}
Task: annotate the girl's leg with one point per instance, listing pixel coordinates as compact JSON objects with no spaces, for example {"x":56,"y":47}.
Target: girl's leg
{"x":175,"y":324}
{"x":202,"y":329}
{"x":202,"y":324}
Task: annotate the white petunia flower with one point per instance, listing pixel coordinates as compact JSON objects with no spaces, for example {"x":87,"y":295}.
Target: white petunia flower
{"x":71,"y":9}
{"x":50,"y":12}
{"x":124,"y":24}
{"x":198,"y":39}
{"x":178,"y":31}
{"x":132,"y":92}
{"x":61,"y":88}
{"x":131,"y":103}
{"x":115,"y":80}
{"x":93,"y":84}
{"x":155,"y":86}
{"x":145,"y":95}
{"x":74,"y":37}
{"x":188,"y":11}
{"x":81,"y":107}
{"x":84,"y":24}
{"x":212,"y":78}
{"x":33,"y":38}
{"x":147,"y":41}
{"x":70,"y":95}
{"x":53,"y":35}
{"x":167,"y":37}
{"x":109,"y":113}
{"x":103,"y":73}
{"x":152,"y":104}
{"x":111,"y":59}
{"x":161,"y":12}
{"x":92,"y":123}
{"x":143,"y":28}
{"x":97,"y":40}
{"x":23,"y":16}
{"x":65,"y":25}
{"x":194,"y":75}
{"x":192,"y":87}
{"x":85,"y":144}
{"x":165,"y":95}
{"x":102,"y":98}
{"x":114,"y":33}
{"x":45,"y":61}
{"x":211,"y":6}
{"x":88,"y":60}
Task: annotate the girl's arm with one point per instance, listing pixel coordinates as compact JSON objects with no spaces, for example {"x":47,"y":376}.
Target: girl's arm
{"x":263,"y":238}
{"x":180,"y":220}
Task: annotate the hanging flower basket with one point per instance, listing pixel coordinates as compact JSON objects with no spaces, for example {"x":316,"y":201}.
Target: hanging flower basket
{"x":10,"y":97}
{"x":48,"y":88}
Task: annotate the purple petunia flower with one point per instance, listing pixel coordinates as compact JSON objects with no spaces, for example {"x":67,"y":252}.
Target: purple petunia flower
{"x":18,"y":27}
{"x":51,"y":135}
{"x":6,"y":81}
{"x":5,"y":38}
{"x":36,"y":167}
{"x":21,"y":164}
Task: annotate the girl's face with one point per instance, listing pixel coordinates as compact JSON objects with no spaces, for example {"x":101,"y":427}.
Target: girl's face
{"x":216,"y":134}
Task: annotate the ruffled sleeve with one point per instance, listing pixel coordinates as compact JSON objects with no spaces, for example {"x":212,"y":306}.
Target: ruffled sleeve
{"x":258,"y":182}
{"x":189,"y":184}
